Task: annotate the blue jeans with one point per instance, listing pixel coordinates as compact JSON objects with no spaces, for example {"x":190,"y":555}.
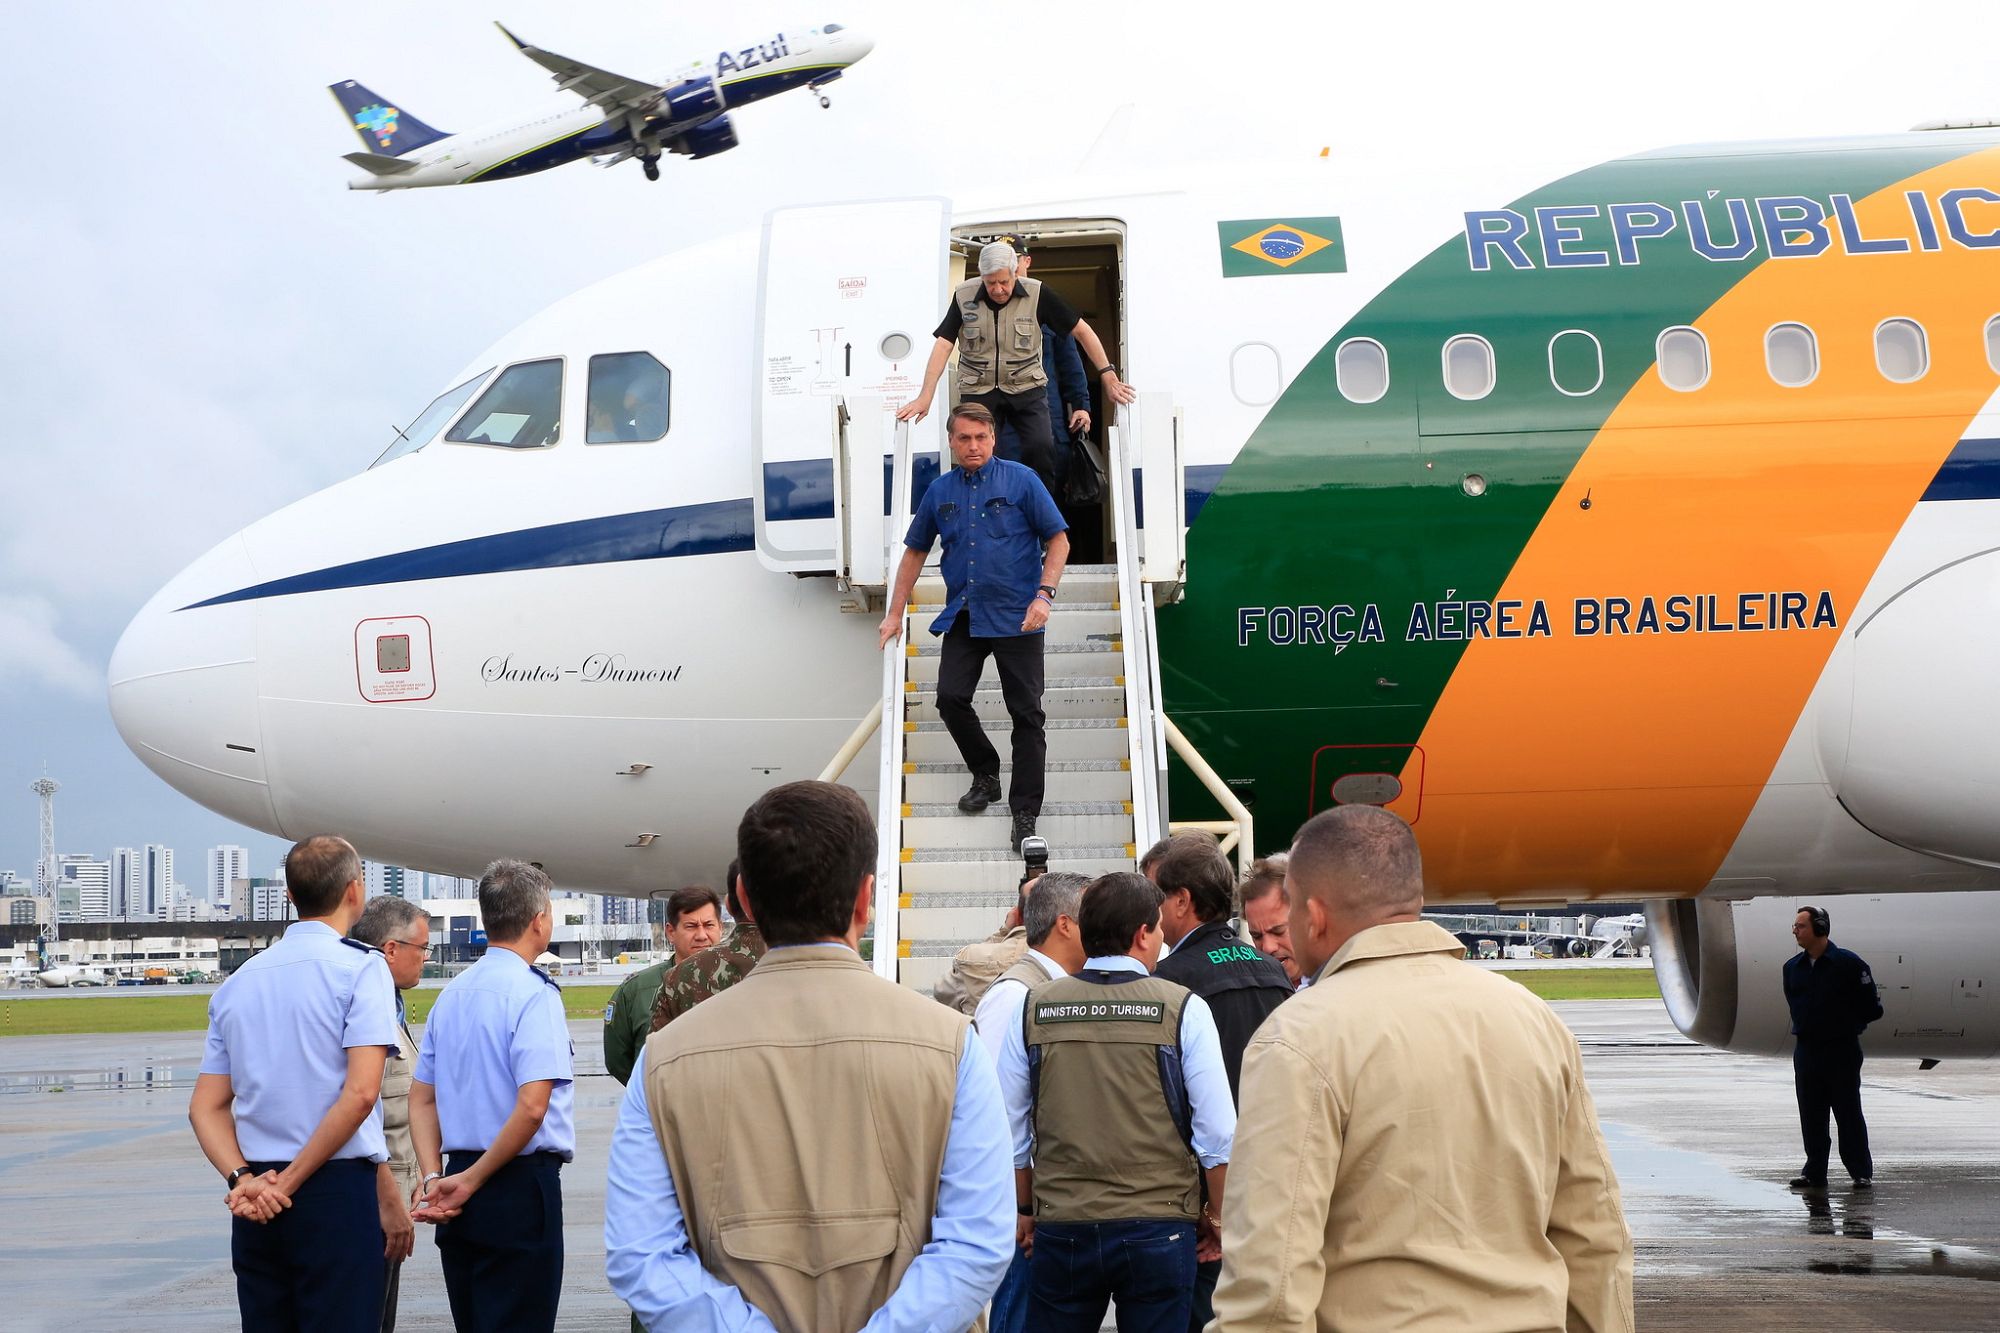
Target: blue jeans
{"x":1010,"y":1303}
{"x":1146,"y":1267}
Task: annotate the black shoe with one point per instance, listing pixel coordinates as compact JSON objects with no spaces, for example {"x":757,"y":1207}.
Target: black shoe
{"x":1864,"y":1182}
{"x":1807,"y":1183}
{"x":1024,"y":827}
{"x":984,"y":791}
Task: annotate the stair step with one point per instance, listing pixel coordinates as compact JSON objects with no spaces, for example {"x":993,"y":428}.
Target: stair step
{"x":1059,"y":660}
{"x":1073,"y":780}
{"x":1079,"y":583}
{"x":1093,"y":627}
{"x":1059,"y":701}
{"x":921,"y":974}
{"x":998,"y":813}
{"x":1068,"y":739}
{"x":955,"y":831}
{"x":997,"y":872}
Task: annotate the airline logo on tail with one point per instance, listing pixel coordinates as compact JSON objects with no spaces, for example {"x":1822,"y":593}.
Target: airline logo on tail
{"x":379,"y":121}
{"x":1257,"y":246}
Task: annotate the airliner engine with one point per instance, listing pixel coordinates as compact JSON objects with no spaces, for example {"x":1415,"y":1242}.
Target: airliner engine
{"x":1719,"y":964}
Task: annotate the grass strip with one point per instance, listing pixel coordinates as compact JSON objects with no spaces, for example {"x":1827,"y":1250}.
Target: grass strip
{"x":66,"y":1015}
{"x":1595,"y":983}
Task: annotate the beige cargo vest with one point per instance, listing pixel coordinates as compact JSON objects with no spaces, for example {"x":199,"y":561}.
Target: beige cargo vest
{"x":397,"y":1071}
{"x":1028,"y":972}
{"x":1000,"y":349}
{"x":1107,"y":1146}
{"x":814,"y":1234}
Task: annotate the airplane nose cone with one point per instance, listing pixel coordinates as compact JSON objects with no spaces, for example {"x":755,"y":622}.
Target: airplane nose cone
{"x":859,"y":44}
{"x":184,"y":689}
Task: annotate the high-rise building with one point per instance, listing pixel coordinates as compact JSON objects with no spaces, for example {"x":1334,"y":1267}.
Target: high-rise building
{"x":226,"y":864}
{"x":392,"y":880}
{"x":154,"y":896}
{"x":265,"y":900}
{"x":83,"y":889}
{"x":127,"y":871}
{"x":613,"y":910}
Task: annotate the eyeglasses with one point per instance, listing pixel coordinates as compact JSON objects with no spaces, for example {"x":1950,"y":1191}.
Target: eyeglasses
{"x":423,"y":949}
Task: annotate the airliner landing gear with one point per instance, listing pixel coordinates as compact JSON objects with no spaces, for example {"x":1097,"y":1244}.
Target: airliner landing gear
{"x":651,"y":166}
{"x":825,"y":101}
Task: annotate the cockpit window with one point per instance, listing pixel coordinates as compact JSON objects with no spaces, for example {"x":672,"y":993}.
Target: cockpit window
{"x":523,"y":409}
{"x":831,"y":27}
{"x":630,"y":394}
{"x":430,"y":420}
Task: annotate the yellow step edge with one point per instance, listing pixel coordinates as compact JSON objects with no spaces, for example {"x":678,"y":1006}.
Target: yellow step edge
{"x":909,"y":769}
{"x":906,"y":810}
{"x":902,"y":948}
{"x":1119,"y":681}
{"x":1125,"y":765}
{"x":910,"y":727}
{"x":910,"y":686}
{"x":905,"y":900}
{"x":909,"y":854}
{"x":1131,"y":849}
{"x":1128,"y":807}
{"x":1124,"y":722}
{"x":910,"y":651}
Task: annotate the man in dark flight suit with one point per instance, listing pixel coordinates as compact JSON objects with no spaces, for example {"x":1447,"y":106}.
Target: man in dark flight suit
{"x":1832,"y":997}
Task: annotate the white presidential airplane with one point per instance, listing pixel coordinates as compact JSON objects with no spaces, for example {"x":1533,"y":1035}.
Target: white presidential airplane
{"x":1626,"y":527}
{"x":620,"y":117}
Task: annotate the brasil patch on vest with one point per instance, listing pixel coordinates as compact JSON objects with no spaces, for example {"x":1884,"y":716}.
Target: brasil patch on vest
{"x":1253,"y":247}
{"x":1100,"y":1011}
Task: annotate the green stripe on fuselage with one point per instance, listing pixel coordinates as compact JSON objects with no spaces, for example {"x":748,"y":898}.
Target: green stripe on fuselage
{"x":1332,"y":503}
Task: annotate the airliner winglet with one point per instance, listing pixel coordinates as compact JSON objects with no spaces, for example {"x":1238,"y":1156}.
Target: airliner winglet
{"x":379,"y":165}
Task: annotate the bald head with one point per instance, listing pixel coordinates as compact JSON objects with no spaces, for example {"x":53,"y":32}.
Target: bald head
{"x":1351,"y":867}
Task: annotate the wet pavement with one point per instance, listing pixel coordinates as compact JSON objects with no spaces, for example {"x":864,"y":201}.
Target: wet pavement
{"x":109,"y":1218}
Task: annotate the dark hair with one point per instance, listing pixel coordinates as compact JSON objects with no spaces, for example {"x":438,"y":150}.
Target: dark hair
{"x":805,"y":848}
{"x":511,"y":893}
{"x":386,"y":918}
{"x":1359,"y":856}
{"x":729,"y":898}
{"x":1822,"y":924}
{"x":1115,"y":906}
{"x":1158,"y":851}
{"x":1200,"y":868}
{"x":971,"y":412}
{"x":1267,"y":876}
{"x":317,"y":872}
{"x":690,"y":899}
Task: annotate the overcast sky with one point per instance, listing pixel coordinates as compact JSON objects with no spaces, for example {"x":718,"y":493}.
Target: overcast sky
{"x":201,"y":323}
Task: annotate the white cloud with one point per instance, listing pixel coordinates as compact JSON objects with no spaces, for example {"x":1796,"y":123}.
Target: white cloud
{"x":31,"y":649}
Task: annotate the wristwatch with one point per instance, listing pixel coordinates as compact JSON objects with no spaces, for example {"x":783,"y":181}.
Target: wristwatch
{"x":1048,"y":590}
{"x":238,"y":1174}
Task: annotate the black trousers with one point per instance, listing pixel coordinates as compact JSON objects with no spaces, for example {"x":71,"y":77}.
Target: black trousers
{"x":503,"y":1256}
{"x":1019,"y":658}
{"x":1030,"y":414}
{"x":1827,"y":1076}
{"x":318,"y":1264}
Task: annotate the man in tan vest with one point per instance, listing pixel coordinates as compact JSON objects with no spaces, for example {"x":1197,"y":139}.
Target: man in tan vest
{"x":1120,"y":1107}
{"x":402,"y":931}
{"x":995,"y":321}
{"x":1419,"y":1148}
{"x":814,"y":1147}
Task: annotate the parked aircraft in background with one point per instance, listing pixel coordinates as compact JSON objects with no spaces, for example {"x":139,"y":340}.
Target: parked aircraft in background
{"x":621,"y":117}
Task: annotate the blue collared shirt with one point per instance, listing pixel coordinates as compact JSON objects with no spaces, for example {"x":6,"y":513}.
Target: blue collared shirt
{"x":652,"y":1265}
{"x":1000,"y":1008}
{"x":280,"y":1029}
{"x":1201,"y":1068}
{"x":994,"y":523}
{"x":499,"y":1024}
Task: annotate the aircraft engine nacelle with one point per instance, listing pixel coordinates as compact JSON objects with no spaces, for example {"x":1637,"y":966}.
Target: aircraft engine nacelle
{"x":1911,"y":745}
{"x":1720,"y":967}
{"x":693,"y":102}
{"x":706,"y":140}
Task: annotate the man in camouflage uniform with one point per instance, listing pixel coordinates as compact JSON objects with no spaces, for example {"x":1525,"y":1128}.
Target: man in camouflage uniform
{"x":711,"y":971}
{"x":693,"y":924}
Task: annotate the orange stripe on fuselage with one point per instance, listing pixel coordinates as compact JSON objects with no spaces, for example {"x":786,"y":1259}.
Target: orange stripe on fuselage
{"x":1627,"y":765}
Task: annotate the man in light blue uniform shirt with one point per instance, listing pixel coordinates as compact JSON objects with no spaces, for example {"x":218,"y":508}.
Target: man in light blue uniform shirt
{"x":287,"y":1107}
{"x":492,"y":1095}
{"x":814,"y":1147}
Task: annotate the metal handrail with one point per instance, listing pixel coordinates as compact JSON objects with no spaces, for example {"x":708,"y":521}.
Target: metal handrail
{"x":1139,"y":714}
{"x":1239,"y":821}
{"x":888,"y":711}
{"x":854,"y":745}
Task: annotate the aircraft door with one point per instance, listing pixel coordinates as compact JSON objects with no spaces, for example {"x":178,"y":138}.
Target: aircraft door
{"x":847,"y":297}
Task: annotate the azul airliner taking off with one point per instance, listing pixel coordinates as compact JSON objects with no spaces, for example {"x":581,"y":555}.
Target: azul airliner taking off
{"x":1628,"y":528}
{"x":620,"y":118}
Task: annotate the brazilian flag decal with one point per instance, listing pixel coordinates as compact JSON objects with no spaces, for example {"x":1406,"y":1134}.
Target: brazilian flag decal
{"x":1259,"y":246}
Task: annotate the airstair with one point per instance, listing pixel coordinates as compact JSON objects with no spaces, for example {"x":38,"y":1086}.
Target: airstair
{"x":836,"y":478}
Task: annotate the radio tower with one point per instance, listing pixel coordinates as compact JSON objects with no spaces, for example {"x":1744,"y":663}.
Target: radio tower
{"x":45,"y":872}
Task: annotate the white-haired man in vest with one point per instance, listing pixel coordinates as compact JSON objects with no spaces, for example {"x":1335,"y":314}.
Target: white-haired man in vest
{"x":995,"y":322}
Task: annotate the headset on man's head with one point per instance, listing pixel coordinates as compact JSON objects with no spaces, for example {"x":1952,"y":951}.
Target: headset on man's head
{"x":1822,"y":924}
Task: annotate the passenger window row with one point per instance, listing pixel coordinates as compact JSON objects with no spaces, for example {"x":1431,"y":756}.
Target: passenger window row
{"x":1576,"y":360}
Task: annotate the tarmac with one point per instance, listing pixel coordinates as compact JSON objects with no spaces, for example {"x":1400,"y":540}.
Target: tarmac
{"x":110,"y":1219}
